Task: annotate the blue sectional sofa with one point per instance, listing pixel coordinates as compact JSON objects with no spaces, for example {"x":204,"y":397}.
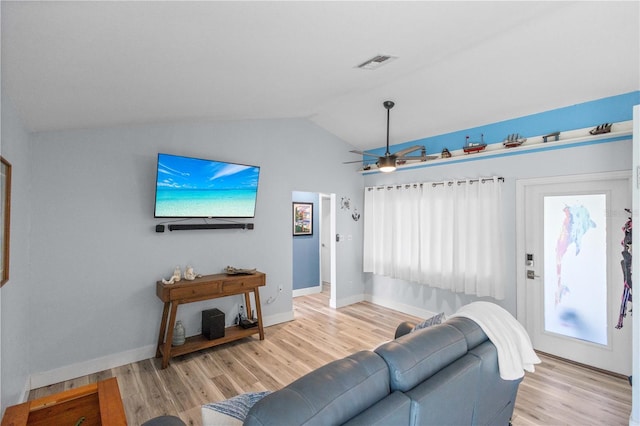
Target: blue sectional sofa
{"x":442,"y":375}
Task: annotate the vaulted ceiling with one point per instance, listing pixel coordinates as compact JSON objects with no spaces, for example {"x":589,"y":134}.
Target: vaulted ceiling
{"x":68,"y":65}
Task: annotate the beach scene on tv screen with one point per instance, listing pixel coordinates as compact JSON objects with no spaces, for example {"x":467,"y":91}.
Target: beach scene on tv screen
{"x":190,"y":187}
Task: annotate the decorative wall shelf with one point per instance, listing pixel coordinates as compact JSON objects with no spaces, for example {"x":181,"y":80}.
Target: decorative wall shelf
{"x":566,"y":139}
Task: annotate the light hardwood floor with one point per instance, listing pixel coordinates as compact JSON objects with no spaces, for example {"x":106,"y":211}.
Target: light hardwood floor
{"x":558,"y":393}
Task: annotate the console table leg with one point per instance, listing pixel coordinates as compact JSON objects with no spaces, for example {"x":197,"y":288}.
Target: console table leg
{"x":163,"y":328}
{"x":256,"y":294}
{"x":247,"y":304}
{"x":167,"y":343}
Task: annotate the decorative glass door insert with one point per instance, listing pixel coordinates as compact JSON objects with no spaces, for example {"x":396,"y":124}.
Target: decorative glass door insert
{"x":575,"y":271}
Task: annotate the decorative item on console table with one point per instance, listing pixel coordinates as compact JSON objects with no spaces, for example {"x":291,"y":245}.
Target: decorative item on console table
{"x":190,"y":274}
{"x":176,"y":277}
{"x":230,"y":270}
{"x":178,"y":334}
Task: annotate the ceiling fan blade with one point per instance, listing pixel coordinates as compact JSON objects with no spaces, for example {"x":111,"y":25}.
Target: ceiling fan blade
{"x":364,"y":153}
{"x":418,"y":158}
{"x":356,"y":161}
{"x":408,"y":150}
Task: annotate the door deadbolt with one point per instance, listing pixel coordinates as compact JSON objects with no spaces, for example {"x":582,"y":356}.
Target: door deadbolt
{"x":529,"y":260}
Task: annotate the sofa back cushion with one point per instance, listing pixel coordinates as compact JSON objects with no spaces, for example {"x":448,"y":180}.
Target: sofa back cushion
{"x":472,"y":331}
{"x":395,"y":409}
{"x":332,"y":394}
{"x":417,"y":356}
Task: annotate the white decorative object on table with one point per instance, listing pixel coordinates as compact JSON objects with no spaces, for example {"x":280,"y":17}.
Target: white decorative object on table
{"x":189,"y":274}
{"x":177,"y":276}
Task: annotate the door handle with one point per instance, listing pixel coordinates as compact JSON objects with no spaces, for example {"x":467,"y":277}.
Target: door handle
{"x":532,"y":274}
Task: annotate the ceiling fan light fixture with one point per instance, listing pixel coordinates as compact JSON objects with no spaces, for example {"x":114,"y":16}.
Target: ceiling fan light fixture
{"x":387,"y":164}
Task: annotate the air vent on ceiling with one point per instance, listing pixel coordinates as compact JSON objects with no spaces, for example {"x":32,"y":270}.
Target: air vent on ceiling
{"x":376,"y":62}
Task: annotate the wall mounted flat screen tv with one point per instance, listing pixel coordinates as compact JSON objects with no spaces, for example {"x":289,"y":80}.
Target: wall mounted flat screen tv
{"x":193,"y":187}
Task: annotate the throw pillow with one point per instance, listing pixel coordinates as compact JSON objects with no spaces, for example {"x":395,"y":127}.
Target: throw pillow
{"x":231,"y":411}
{"x":434,"y":320}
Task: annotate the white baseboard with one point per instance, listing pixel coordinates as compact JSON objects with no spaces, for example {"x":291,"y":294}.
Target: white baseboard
{"x":339,"y":303}
{"x":25,"y":391}
{"x":277,"y":319}
{"x":84,"y":368}
{"x":400,"y":307}
{"x":307,"y":291}
{"x":96,"y":365}
{"x":346,"y":301}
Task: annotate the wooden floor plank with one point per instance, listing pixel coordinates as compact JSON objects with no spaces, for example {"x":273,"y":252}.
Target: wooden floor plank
{"x":558,"y":393}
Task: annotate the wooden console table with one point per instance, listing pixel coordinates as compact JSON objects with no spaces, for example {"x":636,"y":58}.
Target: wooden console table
{"x":95,"y":404}
{"x":205,"y":288}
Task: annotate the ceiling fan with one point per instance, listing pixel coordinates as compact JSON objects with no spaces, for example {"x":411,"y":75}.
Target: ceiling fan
{"x":389,"y":161}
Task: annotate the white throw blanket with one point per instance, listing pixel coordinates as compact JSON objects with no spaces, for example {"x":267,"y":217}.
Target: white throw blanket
{"x":515,"y":352}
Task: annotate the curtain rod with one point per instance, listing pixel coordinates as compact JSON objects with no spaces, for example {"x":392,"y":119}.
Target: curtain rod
{"x":434,"y":184}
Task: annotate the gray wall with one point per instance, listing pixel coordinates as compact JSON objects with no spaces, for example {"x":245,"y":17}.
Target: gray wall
{"x":15,"y":308}
{"x":95,"y":256}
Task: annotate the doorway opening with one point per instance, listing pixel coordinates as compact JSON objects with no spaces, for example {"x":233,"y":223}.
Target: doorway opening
{"x":314,"y":260}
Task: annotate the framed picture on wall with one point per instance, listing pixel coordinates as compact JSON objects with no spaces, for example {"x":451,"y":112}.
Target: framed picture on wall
{"x":302,"y":218}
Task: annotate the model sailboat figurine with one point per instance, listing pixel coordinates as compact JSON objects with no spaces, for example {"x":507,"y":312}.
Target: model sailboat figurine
{"x":471,"y":147}
{"x":513,"y":140}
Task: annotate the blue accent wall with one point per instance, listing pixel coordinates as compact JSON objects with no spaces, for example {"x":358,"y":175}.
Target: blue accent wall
{"x":606,"y":110}
{"x":306,"y":248}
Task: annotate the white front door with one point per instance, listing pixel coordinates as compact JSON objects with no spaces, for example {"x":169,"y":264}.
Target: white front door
{"x":570,"y":278}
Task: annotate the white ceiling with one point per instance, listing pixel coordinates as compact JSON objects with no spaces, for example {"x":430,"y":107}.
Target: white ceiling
{"x":68,"y":65}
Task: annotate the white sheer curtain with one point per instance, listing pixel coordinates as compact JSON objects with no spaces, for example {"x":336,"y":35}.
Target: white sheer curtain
{"x":445,"y":234}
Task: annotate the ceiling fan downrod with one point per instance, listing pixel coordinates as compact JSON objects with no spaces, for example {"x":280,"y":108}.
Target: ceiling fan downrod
{"x":388,"y":105}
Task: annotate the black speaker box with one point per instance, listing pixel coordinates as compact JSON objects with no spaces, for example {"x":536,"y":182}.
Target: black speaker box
{"x":213,"y":323}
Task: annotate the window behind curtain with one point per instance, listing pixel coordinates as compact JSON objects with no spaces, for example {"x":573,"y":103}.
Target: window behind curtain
{"x":445,"y":234}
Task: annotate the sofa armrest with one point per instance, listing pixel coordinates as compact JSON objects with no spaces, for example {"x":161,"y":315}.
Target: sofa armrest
{"x":404,"y":328}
